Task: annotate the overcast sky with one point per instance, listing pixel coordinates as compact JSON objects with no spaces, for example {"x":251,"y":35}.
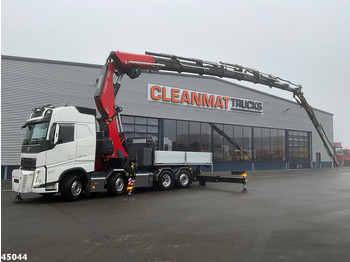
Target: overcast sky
{"x":306,"y":42}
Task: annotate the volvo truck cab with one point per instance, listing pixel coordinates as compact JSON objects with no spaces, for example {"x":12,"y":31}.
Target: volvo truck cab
{"x":58,"y":141}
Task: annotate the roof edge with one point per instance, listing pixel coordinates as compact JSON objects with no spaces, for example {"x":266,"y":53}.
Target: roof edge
{"x":48,"y":61}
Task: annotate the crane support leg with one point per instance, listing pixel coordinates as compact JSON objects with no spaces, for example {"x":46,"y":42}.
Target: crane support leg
{"x":216,"y":179}
{"x":131,"y":181}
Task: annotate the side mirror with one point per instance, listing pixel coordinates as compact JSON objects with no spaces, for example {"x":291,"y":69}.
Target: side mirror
{"x":56,"y":134}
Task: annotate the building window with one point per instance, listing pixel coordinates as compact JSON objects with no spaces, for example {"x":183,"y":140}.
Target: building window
{"x":205,"y":137}
{"x":232,"y":143}
{"x":169,"y":135}
{"x":221,"y":151}
{"x":194,"y":138}
{"x":247,"y":143}
{"x":182,"y":135}
{"x":278,"y":145}
{"x":141,"y":127}
{"x":228,"y":143}
{"x":269,"y":144}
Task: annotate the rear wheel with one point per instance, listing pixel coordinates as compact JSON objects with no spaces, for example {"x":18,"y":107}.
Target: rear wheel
{"x":116,"y":184}
{"x":184,"y":179}
{"x":166,"y":181}
{"x":72,"y":188}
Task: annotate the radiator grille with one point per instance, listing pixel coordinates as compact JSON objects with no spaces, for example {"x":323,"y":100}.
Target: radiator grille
{"x":28,"y":163}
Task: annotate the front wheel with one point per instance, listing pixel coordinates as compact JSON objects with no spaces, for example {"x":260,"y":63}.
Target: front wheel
{"x":72,"y":188}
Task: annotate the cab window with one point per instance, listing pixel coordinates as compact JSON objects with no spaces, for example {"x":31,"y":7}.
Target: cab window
{"x":66,"y":133}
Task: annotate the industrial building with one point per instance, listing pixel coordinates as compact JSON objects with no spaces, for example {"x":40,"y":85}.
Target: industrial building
{"x":244,"y":128}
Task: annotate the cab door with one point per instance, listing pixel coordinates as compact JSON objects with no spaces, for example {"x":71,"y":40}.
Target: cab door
{"x":62,"y":156}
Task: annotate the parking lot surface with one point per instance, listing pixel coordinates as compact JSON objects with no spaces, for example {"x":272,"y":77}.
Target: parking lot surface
{"x":300,"y":215}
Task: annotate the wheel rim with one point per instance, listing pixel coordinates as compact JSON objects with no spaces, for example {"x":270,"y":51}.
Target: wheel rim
{"x":166,"y":180}
{"x":184,"y":179}
{"x":76,"y":188}
{"x":119,"y":184}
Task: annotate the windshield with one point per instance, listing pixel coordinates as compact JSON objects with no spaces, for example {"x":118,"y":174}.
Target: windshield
{"x":35,"y":133}
{"x":339,"y":150}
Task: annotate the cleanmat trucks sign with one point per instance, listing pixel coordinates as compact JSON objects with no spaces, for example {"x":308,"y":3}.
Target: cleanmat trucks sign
{"x":166,"y":94}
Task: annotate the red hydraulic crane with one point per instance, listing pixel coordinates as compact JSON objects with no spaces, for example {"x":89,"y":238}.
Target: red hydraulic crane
{"x":119,"y":63}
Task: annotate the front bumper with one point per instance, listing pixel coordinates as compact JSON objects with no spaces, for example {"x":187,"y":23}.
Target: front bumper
{"x":22,"y":181}
{"x":26,"y":181}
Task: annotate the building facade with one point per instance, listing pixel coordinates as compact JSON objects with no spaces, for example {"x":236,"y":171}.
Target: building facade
{"x":244,"y":128}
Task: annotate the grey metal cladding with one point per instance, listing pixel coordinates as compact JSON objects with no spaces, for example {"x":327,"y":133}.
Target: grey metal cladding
{"x":28,"y":84}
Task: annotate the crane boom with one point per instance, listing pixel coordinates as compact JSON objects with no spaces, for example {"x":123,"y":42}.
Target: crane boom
{"x":132,"y":64}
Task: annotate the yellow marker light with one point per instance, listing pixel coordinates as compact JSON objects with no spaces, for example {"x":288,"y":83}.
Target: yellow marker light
{"x":93,"y":187}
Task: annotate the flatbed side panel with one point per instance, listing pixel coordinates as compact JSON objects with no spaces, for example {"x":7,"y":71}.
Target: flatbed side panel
{"x":199,"y":158}
{"x":162,"y":158}
{"x":170,"y":158}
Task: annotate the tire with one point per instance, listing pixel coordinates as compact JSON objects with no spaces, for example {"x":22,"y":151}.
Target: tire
{"x":184,"y":180}
{"x":72,"y":188}
{"x":166,"y":181}
{"x":116,"y":184}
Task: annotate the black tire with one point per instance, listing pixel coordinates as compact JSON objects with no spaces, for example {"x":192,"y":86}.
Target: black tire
{"x":166,"y":181}
{"x":116,"y":184}
{"x":72,"y":188}
{"x":184,"y":180}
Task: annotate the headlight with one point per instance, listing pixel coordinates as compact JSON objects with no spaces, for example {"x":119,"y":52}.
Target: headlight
{"x":39,"y":176}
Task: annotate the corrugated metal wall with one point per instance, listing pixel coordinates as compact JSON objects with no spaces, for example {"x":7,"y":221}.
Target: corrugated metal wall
{"x":27,"y":84}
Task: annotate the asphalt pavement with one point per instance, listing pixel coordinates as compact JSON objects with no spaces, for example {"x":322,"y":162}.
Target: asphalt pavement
{"x":300,"y":215}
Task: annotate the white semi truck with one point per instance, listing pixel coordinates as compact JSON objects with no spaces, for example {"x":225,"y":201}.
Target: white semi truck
{"x":61,"y":146}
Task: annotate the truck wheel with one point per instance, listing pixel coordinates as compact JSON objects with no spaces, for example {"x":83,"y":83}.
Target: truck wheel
{"x":166,"y":181}
{"x":72,"y":188}
{"x":184,"y":179}
{"x":116,"y":184}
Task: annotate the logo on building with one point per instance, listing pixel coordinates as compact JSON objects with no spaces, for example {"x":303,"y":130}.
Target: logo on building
{"x":172,"y":95}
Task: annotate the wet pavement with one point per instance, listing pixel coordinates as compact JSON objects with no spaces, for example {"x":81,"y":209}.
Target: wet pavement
{"x":300,"y":215}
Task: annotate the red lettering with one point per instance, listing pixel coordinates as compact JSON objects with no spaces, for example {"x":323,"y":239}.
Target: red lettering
{"x":226,"y":101}
{"x":209,"y":102}
{"x":174,"y":95}
{"x":185,"y":98}
{"x":219,"y":102}
{"x":164,"y":95}
{"x":153,"y":96}
{"x":196,"y":97}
